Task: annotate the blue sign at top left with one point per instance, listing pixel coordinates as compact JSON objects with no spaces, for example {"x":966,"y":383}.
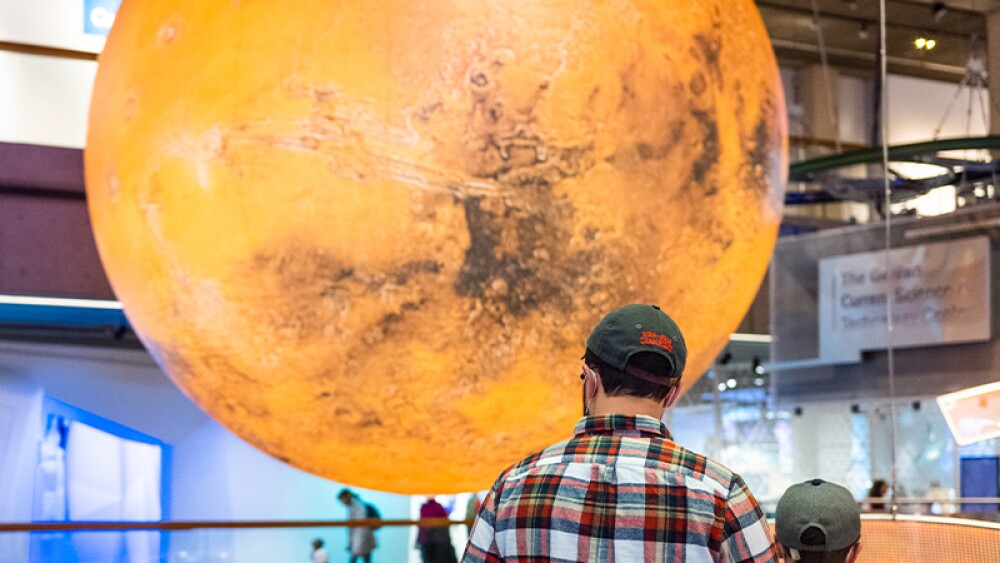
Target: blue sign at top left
{"x":98,"y":15}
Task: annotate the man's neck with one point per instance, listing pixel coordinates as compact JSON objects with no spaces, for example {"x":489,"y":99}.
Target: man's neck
{"x":604,"y":405}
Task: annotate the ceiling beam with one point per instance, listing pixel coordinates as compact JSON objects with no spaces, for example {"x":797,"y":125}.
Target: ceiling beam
{"x":807,"y":52}
{"x":41,"y":50}
{"x":859,"y":20}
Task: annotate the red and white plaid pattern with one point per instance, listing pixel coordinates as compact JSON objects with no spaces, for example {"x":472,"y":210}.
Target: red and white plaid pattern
{"x":619,"y":490}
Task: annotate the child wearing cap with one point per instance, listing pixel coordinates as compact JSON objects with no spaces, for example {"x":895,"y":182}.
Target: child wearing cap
{"x":818,"y":522}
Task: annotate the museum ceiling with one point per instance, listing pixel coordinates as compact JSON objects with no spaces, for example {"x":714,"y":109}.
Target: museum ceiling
{"x":850,"y":33}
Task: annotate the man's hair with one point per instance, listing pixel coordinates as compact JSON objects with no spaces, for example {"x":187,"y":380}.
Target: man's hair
{"x":345,"y":492}
{"x":318,"y":543}
{"x":814,"y":536}
{"x":617,"y":383}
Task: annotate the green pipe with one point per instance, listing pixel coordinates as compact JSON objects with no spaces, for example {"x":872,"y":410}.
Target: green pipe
{"x":800,"y":171}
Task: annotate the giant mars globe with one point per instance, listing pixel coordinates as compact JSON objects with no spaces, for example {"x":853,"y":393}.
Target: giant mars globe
{"x":370,"y":238}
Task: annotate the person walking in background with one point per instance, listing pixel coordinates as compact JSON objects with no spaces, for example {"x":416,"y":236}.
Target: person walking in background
{"x":434,"y":543}
{"x":818,"y":522}
{"x":875,"y":495}
{"x":361,"y":540}
{"x":471,"y":509}
{"x":621,"y":489}
{"x":319,"y":554}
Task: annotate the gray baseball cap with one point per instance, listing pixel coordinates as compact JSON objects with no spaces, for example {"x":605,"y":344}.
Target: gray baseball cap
{"x":819,"y":504}
{"x":640,"y":328}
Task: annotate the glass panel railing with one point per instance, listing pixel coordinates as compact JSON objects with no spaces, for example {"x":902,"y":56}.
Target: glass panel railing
{"x":914,"y":538}
{"x":209,"y":541}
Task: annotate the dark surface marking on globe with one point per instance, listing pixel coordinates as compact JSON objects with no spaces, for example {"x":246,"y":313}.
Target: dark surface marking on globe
{"x":316,"y":273}
{"x":627,"y":78}
{"x":523,"y":278}
{"x":219,"y":365}
{"x":402,"y":274}
{"x":516,"y":262}
{"x":761,"y":152}
{"x":176,"y":364}
{"x":661,"y":151}
{"x":710,"y":150}
{"x":697,"y":84}
{"x":179,"y":368}
{"x":424,"y":113}
{"x":710,"y":47}
{"x":370,"y":419}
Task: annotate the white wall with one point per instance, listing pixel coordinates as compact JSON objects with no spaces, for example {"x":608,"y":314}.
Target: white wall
{"x":916,"y":106}
{"x":123,"y":386}
{"x":52,"y":23}
{"x":20,"y":434}
{"x":44,"y":100}
{"x":856,"y":109}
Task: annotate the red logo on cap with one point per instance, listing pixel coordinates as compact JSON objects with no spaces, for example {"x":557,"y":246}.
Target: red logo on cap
{"x":657,"y":340}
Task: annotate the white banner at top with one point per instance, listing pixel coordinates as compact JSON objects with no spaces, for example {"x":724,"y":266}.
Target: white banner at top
{"x":939,"y":293}
{"x":63,"y":24}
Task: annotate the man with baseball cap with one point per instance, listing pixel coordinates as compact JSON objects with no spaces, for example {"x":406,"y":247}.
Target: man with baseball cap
{"x":818,"y":522}
{"x":620,"y":489}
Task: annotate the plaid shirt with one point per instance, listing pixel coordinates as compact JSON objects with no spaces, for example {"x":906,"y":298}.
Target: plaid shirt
{"x":619,"y":490}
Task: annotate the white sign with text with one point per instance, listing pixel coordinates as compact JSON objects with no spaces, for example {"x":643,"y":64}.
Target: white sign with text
{"x":938,"y":294}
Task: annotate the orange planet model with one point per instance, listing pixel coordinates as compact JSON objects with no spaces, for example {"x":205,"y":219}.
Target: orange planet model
{"x":370,"y":238}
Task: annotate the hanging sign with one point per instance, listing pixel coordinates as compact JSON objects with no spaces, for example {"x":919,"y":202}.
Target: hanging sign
{"x":937,"y":293}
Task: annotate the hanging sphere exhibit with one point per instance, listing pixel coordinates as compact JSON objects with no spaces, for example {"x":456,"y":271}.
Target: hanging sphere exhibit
{"x":370,"y":238}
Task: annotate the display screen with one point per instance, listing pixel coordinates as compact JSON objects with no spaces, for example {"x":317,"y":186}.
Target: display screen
{"x":972,"y":414}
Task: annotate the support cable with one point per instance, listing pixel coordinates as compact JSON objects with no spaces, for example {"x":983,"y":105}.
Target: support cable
{"x":832,"y":99}
{"x":887,"y":189}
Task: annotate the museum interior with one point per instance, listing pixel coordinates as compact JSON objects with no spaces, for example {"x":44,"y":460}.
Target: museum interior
{"x":217,"y":314}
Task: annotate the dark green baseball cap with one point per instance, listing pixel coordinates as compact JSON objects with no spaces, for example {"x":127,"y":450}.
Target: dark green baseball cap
{"x":640,"y":328}
{"x":818,"y":504}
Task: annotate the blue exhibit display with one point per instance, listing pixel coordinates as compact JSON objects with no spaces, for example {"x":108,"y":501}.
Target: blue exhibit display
{"x":91,"y":469}
{"x":980,"y":479}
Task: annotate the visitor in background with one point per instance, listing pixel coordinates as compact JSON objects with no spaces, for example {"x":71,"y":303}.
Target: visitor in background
{"x":471,"y":509}
{"x":434,"y":542}
{"x":621,"y":489}
{"x":818,"y":522}
{"x":875,"y":495}
{"x":318,"y":553}
{"x":361,"y":540}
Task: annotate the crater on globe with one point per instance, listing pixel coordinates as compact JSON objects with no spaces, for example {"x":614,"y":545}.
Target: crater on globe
{"x":370,"y":238}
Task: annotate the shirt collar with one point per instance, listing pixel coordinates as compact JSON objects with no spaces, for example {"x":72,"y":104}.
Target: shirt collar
{"x":622,"y":425}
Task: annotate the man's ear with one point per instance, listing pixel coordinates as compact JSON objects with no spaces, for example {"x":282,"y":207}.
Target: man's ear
{"x":591,"y":383}
{"x":671,"y":397}
{"x":852,"y":555}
